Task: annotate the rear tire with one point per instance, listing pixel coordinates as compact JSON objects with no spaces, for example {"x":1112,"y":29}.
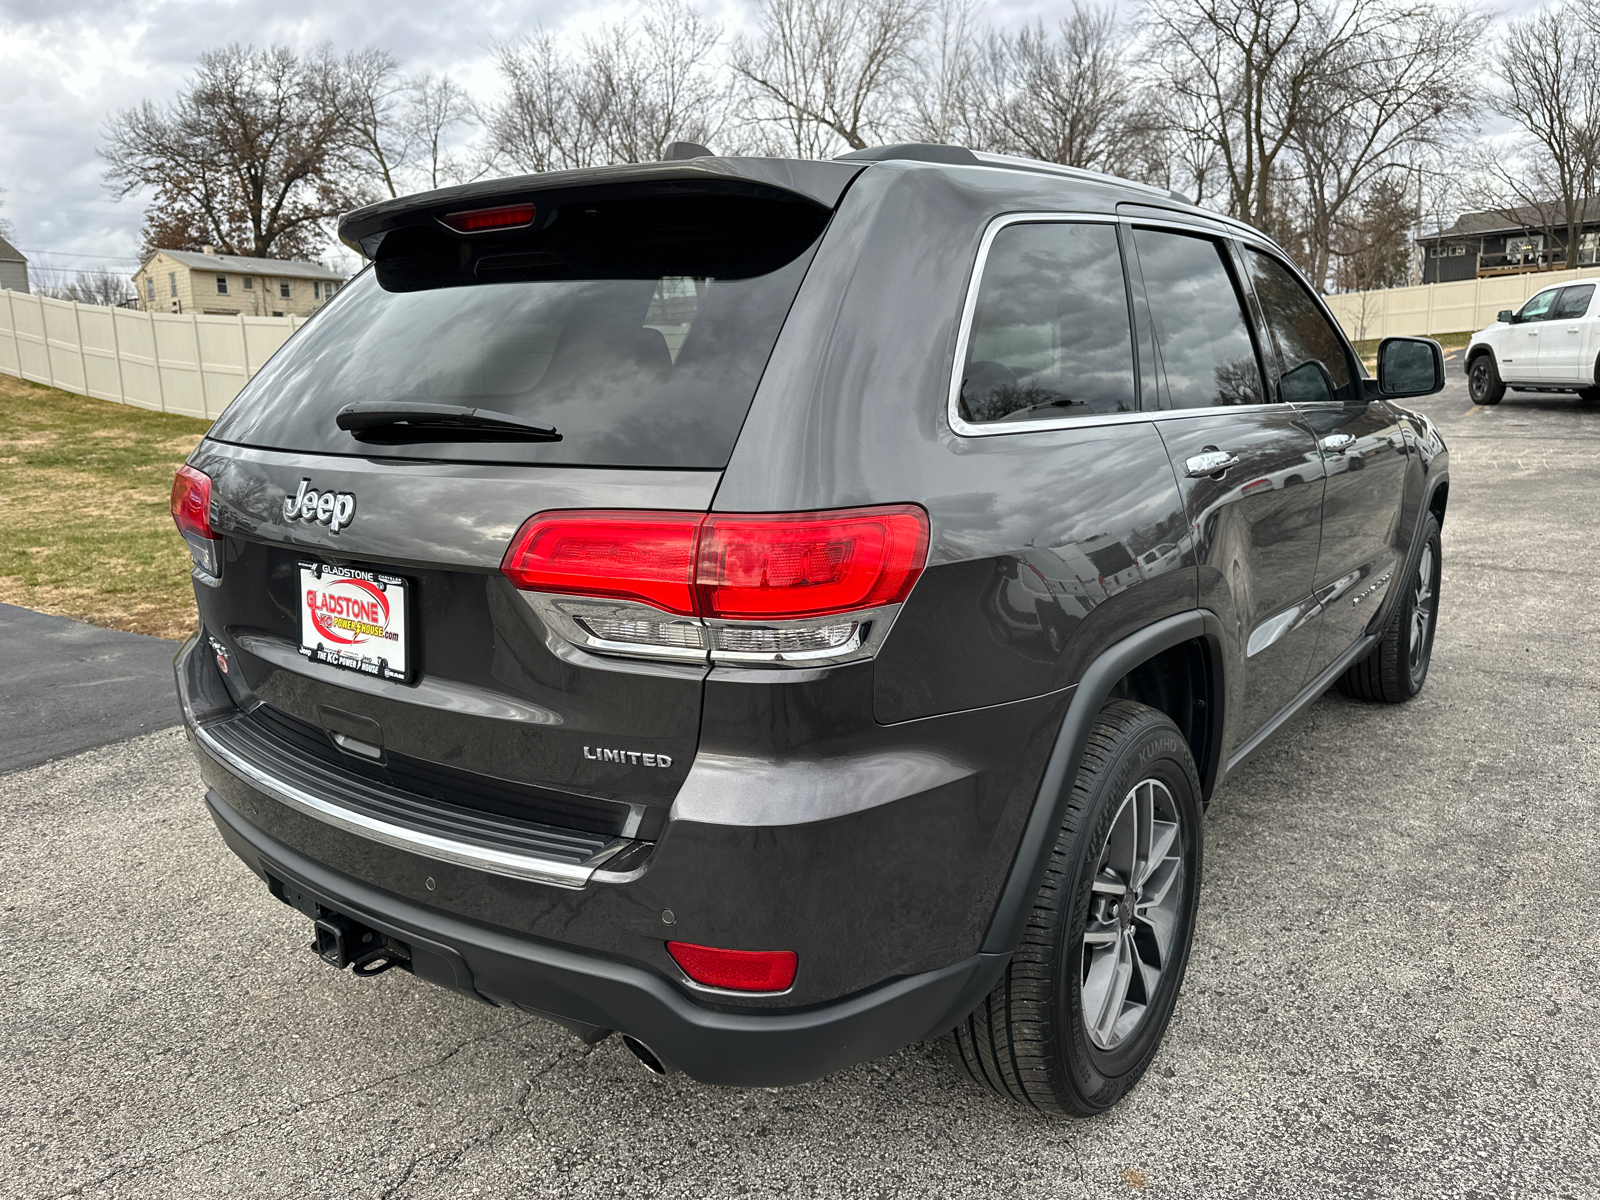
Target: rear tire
{"x":1398,"y":665}
{"x":1082,"y":1007}
{"x":1483,"y":381}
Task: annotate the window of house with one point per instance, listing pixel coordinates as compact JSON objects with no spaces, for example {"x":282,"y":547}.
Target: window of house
{"x":1050,"y":336}
{"x":249,"y":284}
{"x":1310,"y":351}
{"x":283,"y":288}
{"x":316,"y":290}
{"x":150,"y":286}
{"x":172,"y":282}
{"x":1203,"y":344}
{"x":222,"y":285}
{"x":276,"y":313}
{"x":328,"y":288}
{"x":1589,"y":248}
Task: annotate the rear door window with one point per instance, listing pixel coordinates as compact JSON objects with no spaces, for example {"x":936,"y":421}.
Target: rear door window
{"x":1203,"y":346}
{"x":1315,"y":365}
{"x":1050,"y":335}
{"x":652,"y":363}
{"x":1573,"y":302}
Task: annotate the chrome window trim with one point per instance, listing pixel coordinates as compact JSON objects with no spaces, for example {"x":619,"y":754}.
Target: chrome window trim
{"x":964,"y":428}
{"x":428,"y":845}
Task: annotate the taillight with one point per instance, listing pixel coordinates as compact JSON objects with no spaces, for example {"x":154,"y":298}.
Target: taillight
{"x":480,"y":220}
{"x":191,"y":513}
{"x":786,"y":567}
{"x":626,"y":556}
{"x":800,"y":587}
{"x":736,"y":970}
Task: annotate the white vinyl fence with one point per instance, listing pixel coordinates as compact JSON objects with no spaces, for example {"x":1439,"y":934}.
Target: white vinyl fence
{"x":186,"y":363}
{"x":1435,"y":308}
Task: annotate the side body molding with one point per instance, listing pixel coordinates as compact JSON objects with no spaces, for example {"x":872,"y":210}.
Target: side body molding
{"x":1049,"y":807}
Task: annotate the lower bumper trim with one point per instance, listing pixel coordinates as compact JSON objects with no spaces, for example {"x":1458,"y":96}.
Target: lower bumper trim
{"x":579,"y":990}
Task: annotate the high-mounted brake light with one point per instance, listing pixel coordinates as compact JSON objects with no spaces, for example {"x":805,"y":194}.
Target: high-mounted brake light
{"x":480,"y":220}
{"x":736,"y":970}
{"x":191,"y":513}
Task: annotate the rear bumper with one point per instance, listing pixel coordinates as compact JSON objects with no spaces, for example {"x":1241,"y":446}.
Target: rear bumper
{"x":740,"y":1049}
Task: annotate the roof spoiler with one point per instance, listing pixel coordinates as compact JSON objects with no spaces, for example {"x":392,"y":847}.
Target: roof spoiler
{"x":820,"y":183}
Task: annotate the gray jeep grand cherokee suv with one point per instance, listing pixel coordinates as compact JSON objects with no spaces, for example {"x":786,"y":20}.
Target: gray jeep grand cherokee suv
{"x":780,"y":611}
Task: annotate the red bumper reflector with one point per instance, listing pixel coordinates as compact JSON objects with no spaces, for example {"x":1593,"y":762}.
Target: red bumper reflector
{"x":477,"y":220}
{"x":757,"y":566}
{"x":191,"y":502}
{"x":736,"y":970}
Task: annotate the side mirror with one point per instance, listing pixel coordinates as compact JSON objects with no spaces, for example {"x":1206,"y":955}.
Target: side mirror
{"x":1409,"y":366}
{"x":1506,"y":316}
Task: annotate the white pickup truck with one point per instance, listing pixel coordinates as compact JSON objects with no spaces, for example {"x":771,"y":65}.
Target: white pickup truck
{"x":1550,"y":344}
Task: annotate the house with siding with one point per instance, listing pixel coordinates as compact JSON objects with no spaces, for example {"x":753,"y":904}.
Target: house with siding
{"x":13,"y":268}
{"x":229,"y":284}
{"x":1509,"y":242}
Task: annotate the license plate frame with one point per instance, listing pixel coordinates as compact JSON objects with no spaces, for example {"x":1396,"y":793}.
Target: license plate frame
{"x":356,"y":620}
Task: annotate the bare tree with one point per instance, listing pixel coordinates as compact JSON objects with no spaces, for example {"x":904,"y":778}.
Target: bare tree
{"x":246,"y":158}
{"x":377,"y":129}
{"x":96,"y":286}
{"x":824,"y":72}
{"x":1400,"y":86}
{"x":943,"y":87}
{"x":652,"y":84}
{"x":437,"y":106}
{"x":1374,"y":249}
{"x":1063,"y":96}
{"x":1549,"y":86}
{"x":631,"y":91}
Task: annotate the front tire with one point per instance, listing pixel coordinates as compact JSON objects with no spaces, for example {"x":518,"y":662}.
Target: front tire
{"x":1082,"y":1007}
{"x":1398,"y":665}
{"x":1483,"y":381}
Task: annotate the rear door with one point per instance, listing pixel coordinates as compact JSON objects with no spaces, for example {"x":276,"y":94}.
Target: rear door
{"x":1362,"y":448}
{"x":1566,"y":350}
{"x":1247,"y":465}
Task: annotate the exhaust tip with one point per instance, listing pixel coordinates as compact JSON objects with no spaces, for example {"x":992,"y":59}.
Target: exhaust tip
{"x":646,"y":1056}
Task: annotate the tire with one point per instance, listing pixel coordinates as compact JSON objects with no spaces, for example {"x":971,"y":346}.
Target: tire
{"x":1483,"y":381}
{"x":1398,"y":665}
{"x":1030,"y":1039}
{"x":1591,"y":394}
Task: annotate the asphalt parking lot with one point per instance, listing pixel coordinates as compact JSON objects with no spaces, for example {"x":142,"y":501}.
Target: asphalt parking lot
{"x":1393,"y":989}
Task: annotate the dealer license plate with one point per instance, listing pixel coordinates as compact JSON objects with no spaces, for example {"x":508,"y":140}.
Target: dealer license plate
{"x":355,"y":620}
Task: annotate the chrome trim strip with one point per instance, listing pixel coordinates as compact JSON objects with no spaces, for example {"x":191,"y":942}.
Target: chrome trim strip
{"x":428,"y":845}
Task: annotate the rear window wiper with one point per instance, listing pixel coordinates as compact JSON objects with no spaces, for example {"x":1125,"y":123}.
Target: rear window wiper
{"x":398,"y":422}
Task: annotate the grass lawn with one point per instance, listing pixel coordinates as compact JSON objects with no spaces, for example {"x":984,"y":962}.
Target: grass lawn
{"x":84,"y":527}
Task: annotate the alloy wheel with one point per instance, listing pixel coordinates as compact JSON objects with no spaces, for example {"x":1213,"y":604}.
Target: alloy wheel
{"x":1133,"y":914}
{"x":1422,"y":603}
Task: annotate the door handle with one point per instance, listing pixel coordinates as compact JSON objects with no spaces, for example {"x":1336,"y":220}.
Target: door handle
{"x":1212,"y":462}
{"x":1572,"y":331}
{"x":1336,"y":443}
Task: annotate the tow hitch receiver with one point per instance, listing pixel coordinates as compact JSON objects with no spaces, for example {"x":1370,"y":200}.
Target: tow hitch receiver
{"x":342,"y":941}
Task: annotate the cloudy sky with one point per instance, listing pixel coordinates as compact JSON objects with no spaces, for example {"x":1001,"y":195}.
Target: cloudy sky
{"x":66,"y":64}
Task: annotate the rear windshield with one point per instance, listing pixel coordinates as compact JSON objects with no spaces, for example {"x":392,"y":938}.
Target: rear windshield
{"x":657,"y":369}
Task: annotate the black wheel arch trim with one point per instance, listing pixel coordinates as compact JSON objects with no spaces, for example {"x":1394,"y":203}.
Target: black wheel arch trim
{"x":1055,"y":786}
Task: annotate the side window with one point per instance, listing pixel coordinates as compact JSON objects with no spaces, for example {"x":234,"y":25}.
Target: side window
{"x":1203,"y":345}
{"x":1574,"y":302}
{"x":1050,"y":336}
{"x":1315,"y":364}
{"x":1537,"y":308}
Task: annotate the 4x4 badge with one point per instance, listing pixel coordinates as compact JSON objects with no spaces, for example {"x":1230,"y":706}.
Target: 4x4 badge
{"x":333,"y":509}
